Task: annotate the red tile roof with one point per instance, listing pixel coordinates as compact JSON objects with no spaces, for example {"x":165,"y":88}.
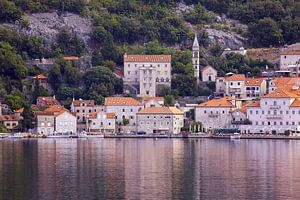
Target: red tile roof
{"x":40,"y":76}
{"x":280,"y":93}
{"x":148,"y":58}
{"x":4,"y":118}
{"x":290,"y":53}
{"x":71,"y":58}
{"x":121,"y":101}
{"x":160,"y":111}
{"x":86,"y":102}
{"x":207,"y":67}
{"x":254,"y":104}
{"x":223,"y":102}
{"x":236,"y":77}
{"x":296,"y":103}
{"x":254,"y":81}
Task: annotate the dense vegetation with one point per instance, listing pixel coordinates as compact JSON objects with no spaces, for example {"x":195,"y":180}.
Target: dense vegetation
{"x":137,"y":27}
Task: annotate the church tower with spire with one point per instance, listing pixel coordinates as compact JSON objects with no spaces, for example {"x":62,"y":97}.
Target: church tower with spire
{"x":196,"y":58}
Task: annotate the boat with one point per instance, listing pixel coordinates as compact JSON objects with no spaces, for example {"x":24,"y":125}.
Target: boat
{"x":235,"y":136}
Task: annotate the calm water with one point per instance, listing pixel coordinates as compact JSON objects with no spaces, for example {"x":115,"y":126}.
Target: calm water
{"x":149,"y":169}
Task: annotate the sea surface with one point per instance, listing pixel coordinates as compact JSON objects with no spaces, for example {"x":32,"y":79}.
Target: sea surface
{"x":86,"y":169}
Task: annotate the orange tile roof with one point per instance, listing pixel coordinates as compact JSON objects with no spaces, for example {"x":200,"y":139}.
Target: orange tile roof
{"x":236,"y":77}
{"x":93,"y":115}
{"x":87,"y":102}
{"x":21,"y":110}
{"x":53,"y":110}
{"x":71,"y":58}
{"x":290,"y":53}
{"x":243,"y":110}
{"x":280,"y":93}
{"x":111,"y":115}
{"x":40,"y":76}
{"x":254,"y":81}
{"x":160,"y":111}
{"x":254,"y":104}
{"x":148,"y":58}
{"x":153,"y":98}
{"x":223,"y":102}
{"x":296,"y":103}
{"x":121,"y":101}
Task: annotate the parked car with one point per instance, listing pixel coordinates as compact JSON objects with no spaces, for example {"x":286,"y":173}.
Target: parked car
{"x":141,"y":133}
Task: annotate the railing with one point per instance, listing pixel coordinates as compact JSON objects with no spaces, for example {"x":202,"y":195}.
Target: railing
{"x":213,"y":115}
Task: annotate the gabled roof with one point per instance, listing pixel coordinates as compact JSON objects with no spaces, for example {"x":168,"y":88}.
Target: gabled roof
{"x":254,"y":81}
{"x":121,"y":101}
{"x":280,"y":93}
{"x":40,"y":76}
{"x":208,"y":67}
{"x":296,"y":103}
{"x":48,"y":101}
{"x":148,"y":58}
{"x":223,"y":102}
{"x":87,"y":102}
{"x":161,"y":111}
{"x":236,"y":77}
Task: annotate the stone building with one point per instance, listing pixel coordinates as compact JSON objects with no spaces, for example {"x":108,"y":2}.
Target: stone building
{"x":147,"y":74}
{"x":196,"y":58}
{"x":209,"y":74}
{"x":160,"y":120}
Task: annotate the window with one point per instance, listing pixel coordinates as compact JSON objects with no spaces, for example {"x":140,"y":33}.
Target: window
{"x":281,"y":112}
{"x":78,"y":111}
{"x":162,"y":79}
{"x":128,"y":65}
{"x":251,"y":112}
{"x":204,"y":111}
{"x":293,"y":123}
{"x":256,"y":122}
{"x":269,"y":123}
{"x":128,"y":72}
{"x":293,"y":112}
{"x":166,"y":65}
{"x":131,"y":117}
{"x":287,"y":112}
{"x":157,"y":79}
{"x":239,"y":83}
{"x":262,"y":123}
{"x":231,"y":83}
{"x":275,"y":123}
{"x":263,"y":112}
{"x":257,"y":112}
{"x":223,"y":112}
{"x":167,"y":79}
{"x":280,"y":123}
{"x":123,"y":110}
{"x":287,"y":123}
{"x":275,"y":103}
{"x":90,"y":111}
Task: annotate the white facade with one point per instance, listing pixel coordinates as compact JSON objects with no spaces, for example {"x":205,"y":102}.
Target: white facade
{"x":209,"y":74}
{"x":275,"y":113}
{"x":147,"y":73}
{"x":102,"y":122}
{"x":288,"y":61}
{"x":215,"y":114}
{"x":65,"y":123}
{"x":83,"y":107}
{"x":196,"y":59}
{"x":160,"y":120}
{"x":255,"y":88}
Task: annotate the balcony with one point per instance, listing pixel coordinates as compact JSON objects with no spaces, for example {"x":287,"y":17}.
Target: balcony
{"x":213,"y":115}
{"x":274,"y":117}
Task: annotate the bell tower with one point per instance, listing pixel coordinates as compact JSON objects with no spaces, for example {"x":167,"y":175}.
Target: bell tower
{"x":196,"y":58}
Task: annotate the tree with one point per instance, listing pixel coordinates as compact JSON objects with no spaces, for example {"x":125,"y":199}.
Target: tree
{"x":28,"y":116}
{"x":9,"y":11}
{"x":265,"y":33}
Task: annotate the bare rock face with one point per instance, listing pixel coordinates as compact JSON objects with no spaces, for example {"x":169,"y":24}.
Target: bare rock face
{"x":225,"y":39}
{"x":47,"y":26}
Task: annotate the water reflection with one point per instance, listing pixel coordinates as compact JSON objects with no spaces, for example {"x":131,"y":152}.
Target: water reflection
{"x":149,"y":169}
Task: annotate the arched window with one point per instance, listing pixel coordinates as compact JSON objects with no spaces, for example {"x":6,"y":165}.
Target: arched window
{"x":157,"y":79}
{"x":167,"y":79}
{"x":162,"y":80}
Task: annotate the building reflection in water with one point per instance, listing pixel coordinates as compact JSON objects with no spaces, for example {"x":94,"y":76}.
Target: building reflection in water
{"x":149,"y":169}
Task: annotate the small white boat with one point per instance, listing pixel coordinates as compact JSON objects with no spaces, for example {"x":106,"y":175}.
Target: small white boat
{"x":235,"y":136}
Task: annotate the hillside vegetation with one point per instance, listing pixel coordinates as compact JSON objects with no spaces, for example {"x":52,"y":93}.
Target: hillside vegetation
{"x":134,"y":26}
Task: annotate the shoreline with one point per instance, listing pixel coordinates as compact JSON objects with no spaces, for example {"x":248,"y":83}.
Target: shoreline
{"x":178,"y":136}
